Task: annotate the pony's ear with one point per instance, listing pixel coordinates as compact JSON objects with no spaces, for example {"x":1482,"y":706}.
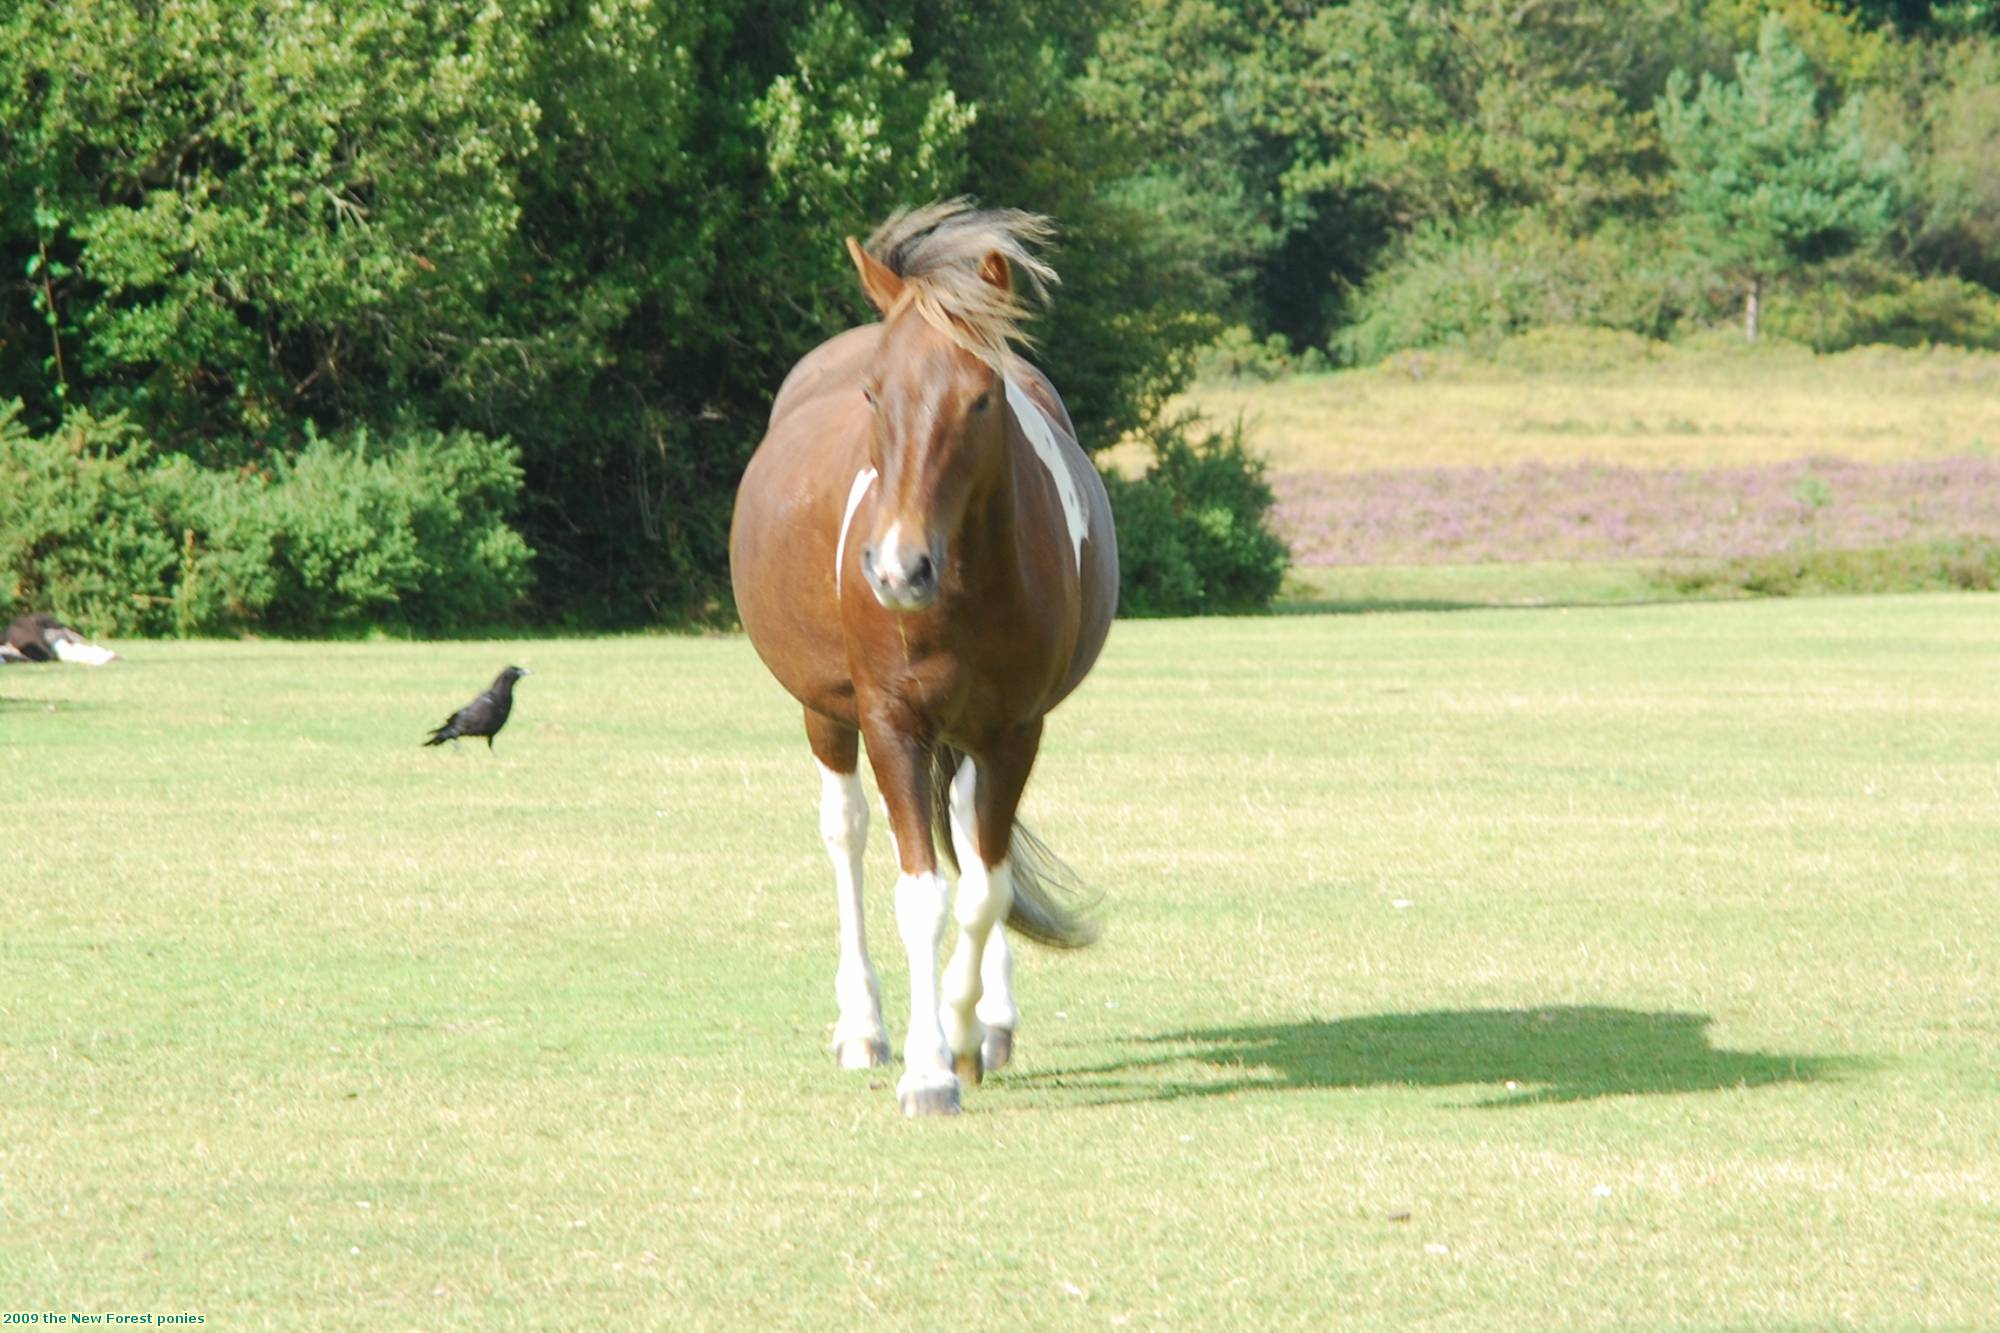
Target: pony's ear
{"x":878,"y":283}
{"x":996,"y":270}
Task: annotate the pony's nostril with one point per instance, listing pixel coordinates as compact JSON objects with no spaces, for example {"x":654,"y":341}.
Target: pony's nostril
{"x":922,"y":573}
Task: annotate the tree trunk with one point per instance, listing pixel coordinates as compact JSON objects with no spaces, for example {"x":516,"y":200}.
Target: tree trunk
{"x":1752,"y":302}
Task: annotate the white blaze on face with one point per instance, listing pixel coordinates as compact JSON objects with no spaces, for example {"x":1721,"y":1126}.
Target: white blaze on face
{"x":1041,"y":433}
{"x":889,"y":554}
{"x":862,"y":481}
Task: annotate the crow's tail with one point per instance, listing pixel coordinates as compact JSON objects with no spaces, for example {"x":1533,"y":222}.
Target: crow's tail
{"x":1052,"y":905}
{"x":441,"y":735}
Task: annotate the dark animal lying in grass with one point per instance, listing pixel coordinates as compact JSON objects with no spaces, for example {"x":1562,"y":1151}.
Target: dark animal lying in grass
{"x":485,"y":715}
{"x":40,"y":637}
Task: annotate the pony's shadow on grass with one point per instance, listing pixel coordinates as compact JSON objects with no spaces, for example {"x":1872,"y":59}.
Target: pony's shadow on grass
{"x":1506,"y":1057}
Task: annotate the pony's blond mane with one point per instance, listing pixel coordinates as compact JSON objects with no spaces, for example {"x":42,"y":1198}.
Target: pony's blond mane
{"x":938,"y":250}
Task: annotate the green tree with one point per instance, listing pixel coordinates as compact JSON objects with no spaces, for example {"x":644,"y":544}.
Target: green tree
{"x":1956,"y":217}
{"x":1287,"y":147}
{"x":238,"y":218}
{"x":601,"y":228}
{"x":1768,"y":184}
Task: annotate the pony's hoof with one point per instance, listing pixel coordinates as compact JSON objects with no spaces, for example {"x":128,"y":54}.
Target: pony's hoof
{"x":968,"y":1068}
{"x":933,"y":1098}
{"x":862,"y":1053}
{"x":997,"y":1050}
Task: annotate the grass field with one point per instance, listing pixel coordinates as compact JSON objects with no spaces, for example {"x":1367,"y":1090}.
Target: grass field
{"x":1584,"y":468}
{"x":1645,"y":405}
{"x":1632,"y":966}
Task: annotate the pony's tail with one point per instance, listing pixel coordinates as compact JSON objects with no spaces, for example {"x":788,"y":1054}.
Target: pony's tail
{"x":1052,"y":905}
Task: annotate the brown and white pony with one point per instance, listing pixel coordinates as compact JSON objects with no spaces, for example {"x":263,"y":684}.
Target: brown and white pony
{"x":924,"y":558}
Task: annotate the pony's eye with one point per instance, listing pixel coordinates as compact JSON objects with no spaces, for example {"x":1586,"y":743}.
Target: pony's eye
{"x":868,"y":392}
{"x":982,"y":402}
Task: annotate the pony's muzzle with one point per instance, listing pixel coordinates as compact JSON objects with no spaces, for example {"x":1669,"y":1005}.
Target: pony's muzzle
{"x":902,"y":577}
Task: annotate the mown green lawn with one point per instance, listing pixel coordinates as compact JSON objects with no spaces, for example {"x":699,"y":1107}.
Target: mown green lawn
{"x":1505,"y":968}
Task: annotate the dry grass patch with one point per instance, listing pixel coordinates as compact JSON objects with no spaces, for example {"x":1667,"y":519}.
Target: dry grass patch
{"x":1699,"y":408}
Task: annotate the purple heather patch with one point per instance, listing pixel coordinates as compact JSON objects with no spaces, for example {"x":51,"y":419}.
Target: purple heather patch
{"x":1586,"y":511}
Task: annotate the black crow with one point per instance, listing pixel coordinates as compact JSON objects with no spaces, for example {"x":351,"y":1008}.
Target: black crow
{"x":485,"y":715}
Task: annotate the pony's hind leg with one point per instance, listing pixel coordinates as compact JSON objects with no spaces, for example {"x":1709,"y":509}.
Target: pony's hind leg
{"x":996,"y":1011}
{"x":978,"y":1013}
{"x":984,"y":894}
{"x":860,"y":1041}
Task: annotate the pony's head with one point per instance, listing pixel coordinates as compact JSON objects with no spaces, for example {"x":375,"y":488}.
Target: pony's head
{"x":946,"y":280}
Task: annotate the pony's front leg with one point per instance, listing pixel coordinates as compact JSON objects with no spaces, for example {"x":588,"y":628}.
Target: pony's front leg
{"x":979,"y":1015}
{"x":860,"y":1041}
{"x":928,"y":1086}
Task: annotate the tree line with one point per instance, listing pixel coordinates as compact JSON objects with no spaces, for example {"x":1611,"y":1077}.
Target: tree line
{"x":504,"y":289}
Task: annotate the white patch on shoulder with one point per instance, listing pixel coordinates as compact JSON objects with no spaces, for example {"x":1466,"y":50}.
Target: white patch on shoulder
{"x":862,"y":480}
{"x":1041,"y":433}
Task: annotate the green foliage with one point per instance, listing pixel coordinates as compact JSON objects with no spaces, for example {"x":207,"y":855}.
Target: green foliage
{"x":1767,"y":184}
{"x":1290,"y":143}
{"x":1239,"y":354}
{"x":605,"y":231}
{"x":409,"y":532}
{"x":1964,"y":565}
{"x":259,"y":216}
{"x":1476,"y":289}
{"x":85,"y":529}
{"x":851,"y":118}
{"x":1367,"y":175}
{"x":1193,"y":532}
{"x":1957,"y":142}
{"x":1475,"y":108}
{"x":1860,"y":302}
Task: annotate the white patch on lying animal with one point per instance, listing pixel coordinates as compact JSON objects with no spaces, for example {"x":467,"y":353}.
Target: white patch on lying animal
{"x":89,"y":654}
{"x":862,"y":480}
{"x":1041,"y":433}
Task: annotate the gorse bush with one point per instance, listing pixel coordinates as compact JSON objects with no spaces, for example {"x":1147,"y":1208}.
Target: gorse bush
{"x":407,"y":531}
{"x":1193,"y":532}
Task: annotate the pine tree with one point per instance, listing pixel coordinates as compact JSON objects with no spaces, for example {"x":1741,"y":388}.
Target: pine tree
{"x":1767,"y":184}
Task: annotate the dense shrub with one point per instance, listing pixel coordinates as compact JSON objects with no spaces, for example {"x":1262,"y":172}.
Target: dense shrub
{"x":1194,"y":535}
{"x":1446,"y":287}
{"x":85,"y":528}
{"x":1239,"y":354}
{"x":409,"y":531}
{"x":1962,"y":564}
{"x":1865,"y":302}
